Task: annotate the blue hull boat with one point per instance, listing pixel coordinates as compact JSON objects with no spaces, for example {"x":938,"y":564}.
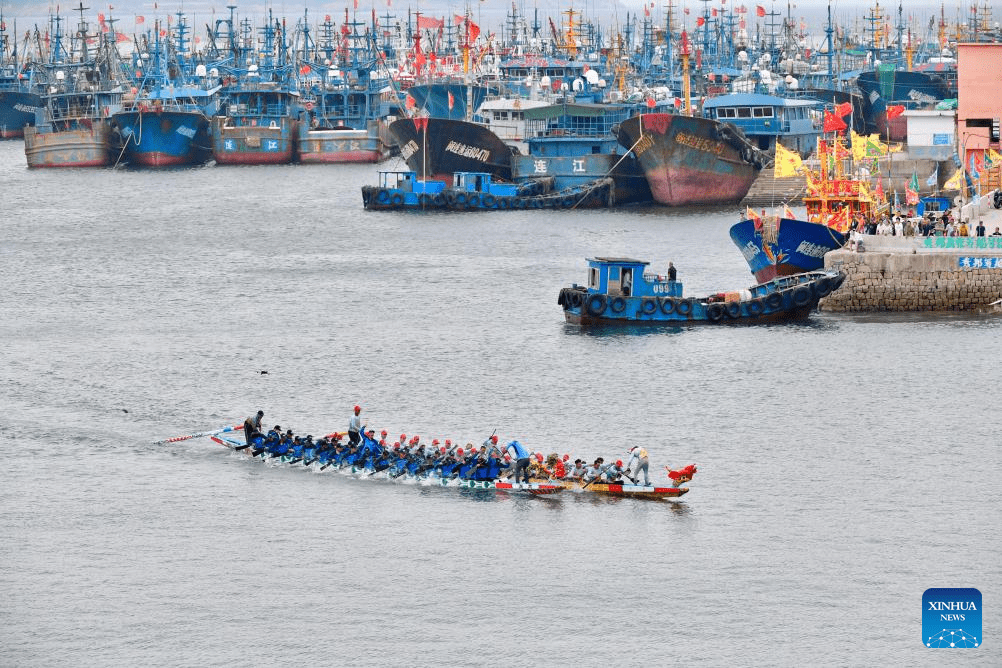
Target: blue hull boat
{"x":784,"y":246}
{"x":620,"y":291}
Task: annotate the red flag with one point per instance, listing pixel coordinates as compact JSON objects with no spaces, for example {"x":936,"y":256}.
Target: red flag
{"x":700,"y":21}
{"x":894,"y":110}
{"x":356,"y":4}
{"x":843,"y":110}
{"x":140,"y":19}
{"x":421,"y":124}
{"x":759,"y":10}
{"x":452,"y":100}
{"x":713,"y":12}
{"x":424,"y":22}
{"x":472,"y":32}
{"x":647,"y":10}
{"x":410,"y":103}
{"x":833,"y":123}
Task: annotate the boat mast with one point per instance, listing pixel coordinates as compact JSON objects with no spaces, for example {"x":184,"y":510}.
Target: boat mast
{"x":686,"y":92}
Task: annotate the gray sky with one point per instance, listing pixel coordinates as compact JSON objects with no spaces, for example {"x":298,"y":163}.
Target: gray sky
{"x":489,"y":13}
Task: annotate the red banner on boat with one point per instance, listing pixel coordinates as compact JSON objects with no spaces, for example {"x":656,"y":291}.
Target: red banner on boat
{"x":894,"y":110}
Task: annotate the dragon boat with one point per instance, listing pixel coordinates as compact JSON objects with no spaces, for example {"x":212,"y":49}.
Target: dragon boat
{"x":373,"y":465}
{"x":371,"y":460}
{"x":620,"y":291}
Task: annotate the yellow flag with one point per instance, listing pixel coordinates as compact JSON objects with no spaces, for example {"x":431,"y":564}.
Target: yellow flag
{"x":858,"y":146}
{"x":994,"y":157}
{"x":788,"y":163}
{"x":955,"y":182}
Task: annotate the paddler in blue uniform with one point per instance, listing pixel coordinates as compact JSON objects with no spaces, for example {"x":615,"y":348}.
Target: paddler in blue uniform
{"x":639,"y":455}
{"x":520,"y":454}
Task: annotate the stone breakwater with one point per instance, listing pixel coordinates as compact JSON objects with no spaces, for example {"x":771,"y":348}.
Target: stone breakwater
{"x":917,"y":274}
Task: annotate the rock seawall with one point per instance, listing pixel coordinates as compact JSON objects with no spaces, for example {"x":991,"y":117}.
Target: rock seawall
{"x":918,"y":274}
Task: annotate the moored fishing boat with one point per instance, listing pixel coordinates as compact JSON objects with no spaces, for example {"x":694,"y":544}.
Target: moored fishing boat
{"x":781,"y":244}
{"x":73,"y":123}
{"x":689,"y":160}
{"x":575,"y":143}
{"x":620,"y":291}
{"x":437,"y":148}
{"x":19,"y":97}
{"x":166,"y":122}
{"x":257,"y":125}
{"x":480,"y":191}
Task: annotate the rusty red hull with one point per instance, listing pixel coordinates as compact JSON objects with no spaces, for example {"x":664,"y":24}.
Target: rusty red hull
{"x":688,"y":160}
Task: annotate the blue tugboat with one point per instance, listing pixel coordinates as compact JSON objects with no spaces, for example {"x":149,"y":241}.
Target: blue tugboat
{"x":620,"y":291}
{"x":480,"y":191}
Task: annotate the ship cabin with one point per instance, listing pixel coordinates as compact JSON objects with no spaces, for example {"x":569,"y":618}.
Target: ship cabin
{"x":408,"y":182}
{"x":624,"y":277}
{"x":766,"y":119}
{"x":483,"y":182}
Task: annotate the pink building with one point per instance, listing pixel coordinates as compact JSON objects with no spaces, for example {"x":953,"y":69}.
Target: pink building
{"x":979,"y":103}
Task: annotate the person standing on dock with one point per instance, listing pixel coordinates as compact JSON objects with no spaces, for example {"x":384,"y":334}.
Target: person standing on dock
{"x":354,"y":426}
{"x":672,"y":272}
{"x":252,"y":427}
{"x":639,"y":455}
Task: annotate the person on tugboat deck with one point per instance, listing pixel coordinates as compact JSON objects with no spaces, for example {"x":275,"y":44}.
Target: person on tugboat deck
{"x":672,"y":272}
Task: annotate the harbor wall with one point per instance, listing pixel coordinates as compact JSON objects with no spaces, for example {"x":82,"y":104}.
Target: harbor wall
{"x":917,"y":274}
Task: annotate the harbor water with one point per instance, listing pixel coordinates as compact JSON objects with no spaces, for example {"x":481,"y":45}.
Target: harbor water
{"x":846,"y":464}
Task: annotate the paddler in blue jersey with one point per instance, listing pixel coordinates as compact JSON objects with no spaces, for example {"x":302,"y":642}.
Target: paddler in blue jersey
{"x":639,"y":455}
{"x":520,"y":454}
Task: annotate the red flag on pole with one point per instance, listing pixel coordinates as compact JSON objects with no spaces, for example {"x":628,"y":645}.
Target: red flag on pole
{"x":833,"y":123}
{"x":759,"y":10}
{"x":843,"y":110}
{"x":895,"y":110}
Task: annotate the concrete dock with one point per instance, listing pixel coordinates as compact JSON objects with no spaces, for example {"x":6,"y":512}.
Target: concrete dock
{"x":921,"y":273}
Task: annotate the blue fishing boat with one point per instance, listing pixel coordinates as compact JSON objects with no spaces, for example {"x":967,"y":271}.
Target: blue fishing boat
{"x":575,"y":143}
{"x":19,"y":97}
{"x":780,"y":244}
{"x":167,"y":122}
{"x":620,"y":291}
